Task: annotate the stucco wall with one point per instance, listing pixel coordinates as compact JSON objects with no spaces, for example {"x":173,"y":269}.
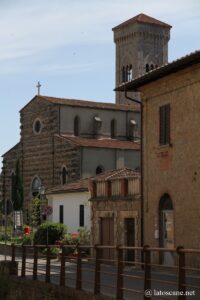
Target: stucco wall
{"x":86,"y":117}
{"x":71,"y":203}
{"x":110,"y":159}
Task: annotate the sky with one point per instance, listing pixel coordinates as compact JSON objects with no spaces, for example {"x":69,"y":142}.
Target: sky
{"x":68,"y":46}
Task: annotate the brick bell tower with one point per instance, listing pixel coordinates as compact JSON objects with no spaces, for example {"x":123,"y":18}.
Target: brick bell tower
{"x":141,"y":46}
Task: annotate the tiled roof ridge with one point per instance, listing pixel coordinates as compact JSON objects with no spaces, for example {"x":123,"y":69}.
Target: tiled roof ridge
{"x":100,"y":143}
{"x":143,"y":18}
{"x":85,"y":103}
{"x":115,"y":174}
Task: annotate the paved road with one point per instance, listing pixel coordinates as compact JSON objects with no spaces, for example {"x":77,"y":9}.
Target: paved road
{"x":108,"y":278}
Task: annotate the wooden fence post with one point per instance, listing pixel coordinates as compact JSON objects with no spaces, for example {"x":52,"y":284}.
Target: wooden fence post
{"x":78,"y":269}
{"x":23,"y":273}
{"x":35,"y":263}
{"x":48,"y":265}
{"x":181,"y":273}
{"x":62,"y":267}
{"x":147,"y":272}
{"x":97,"y":270}
{"x":119,"y":294}
{"x":13,"y":252}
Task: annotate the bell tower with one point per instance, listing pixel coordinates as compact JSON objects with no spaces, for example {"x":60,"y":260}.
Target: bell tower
{"x":141,"y":46}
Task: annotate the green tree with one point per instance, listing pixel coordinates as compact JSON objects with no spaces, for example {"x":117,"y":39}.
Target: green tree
{"x":36,"y":212}
{"x":17,"y":188}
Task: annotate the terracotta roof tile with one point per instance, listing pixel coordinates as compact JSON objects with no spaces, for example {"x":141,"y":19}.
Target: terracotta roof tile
{"x":116,"y":174}
{"x":77,"y":186}
{"x":91,"y":104}
{"x":102,"y":143}
{"x":142,"y":18}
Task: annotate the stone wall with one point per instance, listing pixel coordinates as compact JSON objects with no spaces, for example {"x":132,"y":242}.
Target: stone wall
{"x":119,"y":209}
{"x":173,"y":168}
{"x":35,"y":290}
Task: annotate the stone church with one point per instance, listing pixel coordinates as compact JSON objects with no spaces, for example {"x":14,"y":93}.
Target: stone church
{"x":63,"y":140}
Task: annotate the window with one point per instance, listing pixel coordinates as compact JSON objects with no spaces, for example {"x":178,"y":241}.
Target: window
{"x":65,"y":175}
{"x":133,"y":130}
{"x":164,"y":124}
{"x":113,"y":128}
{"x":81,"y":215}
{"x":37,"y":126}
{"x":97,"y":124}
{"x":61,"y":214}
{"x":99,"y":170}
{"x":123,"y":74}
{"x":76,"y":126}
{"x":147,"y":67}
{"x":36,"y":184}
{"x":152,"y":67}
{"x":127,"y":73}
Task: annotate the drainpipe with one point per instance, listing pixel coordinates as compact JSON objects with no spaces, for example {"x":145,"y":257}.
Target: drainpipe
{"x":141,"y":166}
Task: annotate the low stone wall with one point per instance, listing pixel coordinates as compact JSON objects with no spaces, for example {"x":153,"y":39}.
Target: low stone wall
{"x":35,"y":290}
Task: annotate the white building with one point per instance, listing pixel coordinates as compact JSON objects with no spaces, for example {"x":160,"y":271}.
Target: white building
{"x":70,"y":205}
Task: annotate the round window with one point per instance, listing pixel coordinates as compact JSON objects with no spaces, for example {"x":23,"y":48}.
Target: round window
{"x":37,"y":126}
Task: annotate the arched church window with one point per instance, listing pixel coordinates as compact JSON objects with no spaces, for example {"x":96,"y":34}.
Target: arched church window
{"x":130,"y":72}
{"x":65,"y":175}
{"x":133,"y":130}
{"x":152,"y":67}
{"x":127,"y":73}
{"x":35,"y":187}
{"x":147,"y":67}
{"x":123,"y":74}
{"x":76,"y":126}
{"x":113,"y":128}
{"x":99,"y":170}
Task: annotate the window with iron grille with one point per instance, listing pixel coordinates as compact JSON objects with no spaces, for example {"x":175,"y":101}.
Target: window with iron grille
{"x":164,"y":124}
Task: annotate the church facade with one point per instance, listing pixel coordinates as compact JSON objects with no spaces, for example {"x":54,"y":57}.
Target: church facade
{"x":63,"y":140}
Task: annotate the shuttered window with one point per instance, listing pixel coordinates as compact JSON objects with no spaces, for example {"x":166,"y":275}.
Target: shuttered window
{"x":165,"y":124}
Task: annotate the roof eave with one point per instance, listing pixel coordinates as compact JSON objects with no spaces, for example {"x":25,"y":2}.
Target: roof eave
{"x":160,"y":72}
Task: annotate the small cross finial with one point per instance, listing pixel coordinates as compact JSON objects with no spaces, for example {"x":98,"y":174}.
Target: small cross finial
{"x":38,"y":86}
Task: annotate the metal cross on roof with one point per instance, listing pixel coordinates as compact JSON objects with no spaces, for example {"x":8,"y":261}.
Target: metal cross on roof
{"x":38,"y":86}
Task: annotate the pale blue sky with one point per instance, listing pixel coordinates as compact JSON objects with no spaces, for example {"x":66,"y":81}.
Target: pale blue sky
{"x":68,"y":46}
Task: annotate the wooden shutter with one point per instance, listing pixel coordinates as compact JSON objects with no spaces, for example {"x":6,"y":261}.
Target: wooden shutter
{"x":164,"y":124}
{"x":167,"y":124}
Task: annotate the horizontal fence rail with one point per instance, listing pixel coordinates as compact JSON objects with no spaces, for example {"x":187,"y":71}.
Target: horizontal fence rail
{"x":112,"y":270}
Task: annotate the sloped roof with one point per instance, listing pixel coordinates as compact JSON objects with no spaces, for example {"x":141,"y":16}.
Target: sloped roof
{"x":101,"y":143}
{"x":162,"y":71}
{"x":83,"y":103}
{"x":77,"y":186}
{"x":142,"y":18}
{"x":15,"y":147}
{"x":116,"y":174}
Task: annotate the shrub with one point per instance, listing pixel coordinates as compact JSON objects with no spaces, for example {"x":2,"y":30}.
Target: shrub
{"x":82,"y":237}
{"x":55,"y":232}
{"x":26,"y":240}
